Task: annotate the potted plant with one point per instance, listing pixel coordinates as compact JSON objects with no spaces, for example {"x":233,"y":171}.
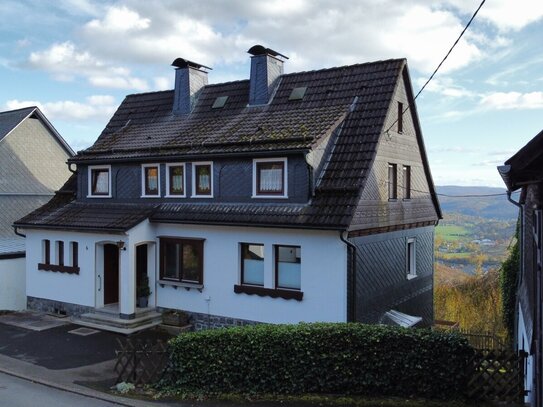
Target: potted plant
{"x":143,"y":292}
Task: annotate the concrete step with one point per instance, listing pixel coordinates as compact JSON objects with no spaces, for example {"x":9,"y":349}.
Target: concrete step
{"x":112,"y":322}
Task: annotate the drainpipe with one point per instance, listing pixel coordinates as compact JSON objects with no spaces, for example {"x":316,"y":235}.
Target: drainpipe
{"x":351,"y":279}
{"x":18,"y":233}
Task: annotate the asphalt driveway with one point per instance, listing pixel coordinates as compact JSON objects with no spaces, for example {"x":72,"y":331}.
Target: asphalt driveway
{"x":57,"y":349}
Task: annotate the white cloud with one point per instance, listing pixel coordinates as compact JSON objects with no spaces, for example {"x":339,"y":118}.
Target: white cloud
{"x":505,"y":14}
{"x":163,"y":83}
{"x":96,"y":107}
{"x":445,"y":86}
{"x":512,"y":100}
{"x":66,"y":62}
{"x":119,"y":19}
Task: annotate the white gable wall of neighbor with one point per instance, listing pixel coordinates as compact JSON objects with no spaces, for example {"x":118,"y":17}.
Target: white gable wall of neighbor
{"x":529,"y":370}
{"x":12,"y":284}
{"x":32,"y":160}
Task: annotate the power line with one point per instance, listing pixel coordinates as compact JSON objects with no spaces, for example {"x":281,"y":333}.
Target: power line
{"x":449,"y":196}
{"x":442,"y":61}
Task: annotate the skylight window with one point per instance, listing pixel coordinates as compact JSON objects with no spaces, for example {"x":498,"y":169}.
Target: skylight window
{"x":219,"y":102}
{"x":297,"y":93}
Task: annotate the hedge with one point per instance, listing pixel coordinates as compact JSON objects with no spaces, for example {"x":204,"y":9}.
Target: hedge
{"x":509,"y":274}
{"x":342,"y":358}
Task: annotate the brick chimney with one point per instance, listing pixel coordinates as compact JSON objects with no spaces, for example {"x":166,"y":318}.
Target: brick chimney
{"x":190,"y":78}
{"x":266,"y":68}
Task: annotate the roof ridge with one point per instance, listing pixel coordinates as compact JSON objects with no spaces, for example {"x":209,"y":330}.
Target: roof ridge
{"x":20,"y":109}
{"x":337,"y":68}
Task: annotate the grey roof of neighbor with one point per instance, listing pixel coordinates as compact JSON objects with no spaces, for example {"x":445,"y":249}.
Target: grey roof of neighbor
{"x":12,"y":208}
{"x":9,"y":120}
{"x":356,"y":97}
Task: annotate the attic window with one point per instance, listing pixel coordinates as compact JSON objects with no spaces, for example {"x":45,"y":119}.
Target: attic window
{"x":219,"y":102}
{"x":297,"y":93}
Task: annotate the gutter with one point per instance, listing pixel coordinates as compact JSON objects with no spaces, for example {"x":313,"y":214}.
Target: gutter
{"x":351,"y":279}
{"x":16,"y":232}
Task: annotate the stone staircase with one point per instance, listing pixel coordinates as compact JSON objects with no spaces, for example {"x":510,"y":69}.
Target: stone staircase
{"x":107,"y":319}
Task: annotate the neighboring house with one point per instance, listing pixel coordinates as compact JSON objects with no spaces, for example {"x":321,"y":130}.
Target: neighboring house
{"x":278,"y":199}
{"x":524,"y":171}
{"x":32,"y":167}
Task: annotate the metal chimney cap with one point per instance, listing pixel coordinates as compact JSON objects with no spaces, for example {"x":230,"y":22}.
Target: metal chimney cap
{"x":261,"y":50}
{"x":185,"y":63}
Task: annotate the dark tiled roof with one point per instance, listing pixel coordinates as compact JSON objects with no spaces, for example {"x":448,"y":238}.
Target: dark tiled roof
{"x":144,"y":124}
{"x":64,"y":212}
{"x":355,"y":98}
{"x":525,"y":165}
{"x":9,"y":120}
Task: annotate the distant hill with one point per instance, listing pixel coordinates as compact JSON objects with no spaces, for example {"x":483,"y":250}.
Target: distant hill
{"x":491,"y":207}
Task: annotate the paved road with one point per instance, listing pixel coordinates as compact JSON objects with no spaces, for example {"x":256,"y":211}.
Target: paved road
{"x":15,"y":392}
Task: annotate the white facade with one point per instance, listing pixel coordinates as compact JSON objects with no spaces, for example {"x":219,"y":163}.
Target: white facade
{"x":323,"y":272}
{"x":12,"y":284}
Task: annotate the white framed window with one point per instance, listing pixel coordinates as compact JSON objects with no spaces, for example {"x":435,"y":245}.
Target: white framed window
{"x":150,"y":180}
{"x":59,"y":253}
{"x":288,"y":267}
{"x":411,"y":258}
{"x":252,"y":264}
{"x":202,"y":179}
{"x":99,"y":181}
{"x":46,"y":251}
{"x":74,"y":254}
{"x":175,"y":180}
{"x":270,"y":178}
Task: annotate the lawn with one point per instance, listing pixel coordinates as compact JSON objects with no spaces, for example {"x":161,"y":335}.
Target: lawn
{"x":452,"y":232}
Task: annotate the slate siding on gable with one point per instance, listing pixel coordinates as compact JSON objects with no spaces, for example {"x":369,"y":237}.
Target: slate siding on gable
{"x":232,"y":182}
{"x":381,"y":279}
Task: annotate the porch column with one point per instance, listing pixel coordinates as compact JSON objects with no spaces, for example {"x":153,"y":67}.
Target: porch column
{"x":127,"y":283}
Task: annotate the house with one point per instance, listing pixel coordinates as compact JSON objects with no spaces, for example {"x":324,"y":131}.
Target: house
{"x":278,"y":199}
{"x":524,"y":172}
{"x":32,"y":167}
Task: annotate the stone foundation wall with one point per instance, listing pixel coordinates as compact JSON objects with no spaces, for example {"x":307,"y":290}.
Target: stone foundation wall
{"x":204,"y":321}
{"x":56,"y":307}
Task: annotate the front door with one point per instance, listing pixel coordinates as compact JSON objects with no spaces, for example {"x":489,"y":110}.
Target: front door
{"x":111,"y":274}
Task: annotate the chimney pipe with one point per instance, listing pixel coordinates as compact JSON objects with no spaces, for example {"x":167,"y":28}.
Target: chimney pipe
{"x":190,"y":79}
{"x":266,"y":68}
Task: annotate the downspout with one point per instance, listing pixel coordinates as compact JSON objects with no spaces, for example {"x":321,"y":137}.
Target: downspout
{"x":521,"y":265}
{"x":351,"y":279}
{"x":17,"y":233}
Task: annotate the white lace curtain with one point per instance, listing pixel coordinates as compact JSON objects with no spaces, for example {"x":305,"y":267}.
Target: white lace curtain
{"x":271,"y":179}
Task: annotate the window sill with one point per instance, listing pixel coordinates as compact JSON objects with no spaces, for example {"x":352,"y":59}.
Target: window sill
{"x":269,"y":292}
{"x":176,"y":284}
{"x":150,"y":196}
{"x":99,"y":196}
{"x":411,"y":276}
{"x":392,"y":199}
{"x":175,"y":196}
{"x":201,"y":196}
{"x":269,"y":196}
{"x":57,"y":268}
{"x":406,"y":199}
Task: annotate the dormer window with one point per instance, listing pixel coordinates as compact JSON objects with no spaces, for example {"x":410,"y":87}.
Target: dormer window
{"x":202,"y":179}
{"x":175,"y":180}
{"x":150,"y":180}
{"x":270,"y":178}
{"x":99,"y":181}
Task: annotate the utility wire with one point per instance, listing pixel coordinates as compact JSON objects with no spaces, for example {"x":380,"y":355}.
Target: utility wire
{"x":442,"y":61}
{"x":450,"y":196}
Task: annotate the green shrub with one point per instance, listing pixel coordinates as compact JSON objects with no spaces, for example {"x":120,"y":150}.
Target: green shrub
{"x":509,"y":273}
{"x":319,"y":358}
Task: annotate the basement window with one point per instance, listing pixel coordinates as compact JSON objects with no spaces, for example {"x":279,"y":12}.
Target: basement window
{"x":298,"y":93}
{"x":219,"y":102}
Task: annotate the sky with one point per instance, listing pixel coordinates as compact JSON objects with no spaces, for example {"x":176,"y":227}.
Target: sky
{"x":78,"y":59}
